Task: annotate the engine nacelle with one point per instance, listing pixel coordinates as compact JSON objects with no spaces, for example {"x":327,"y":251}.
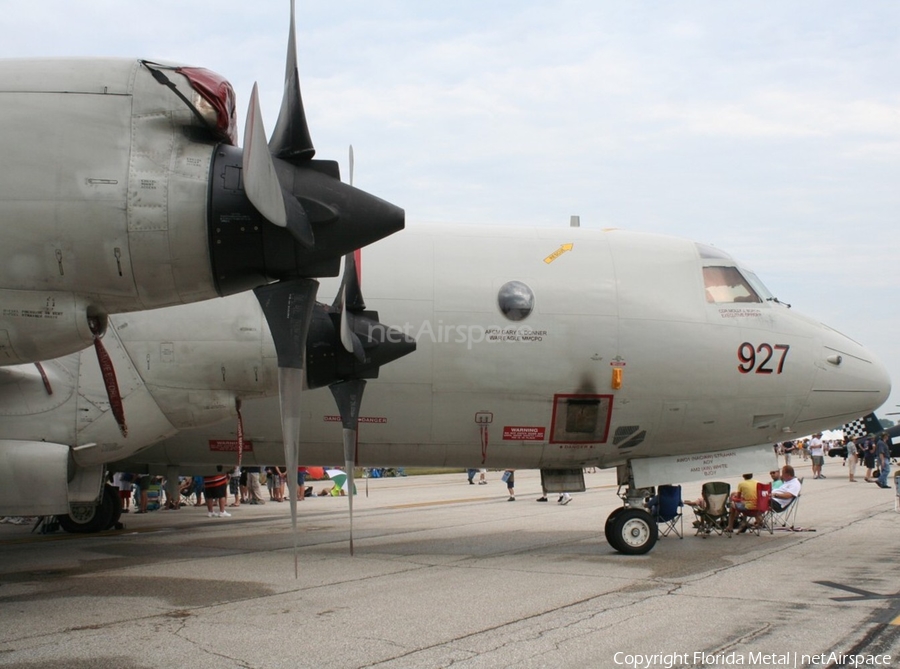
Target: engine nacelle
{"x":104,"y":184}
{"x":121,"y":189}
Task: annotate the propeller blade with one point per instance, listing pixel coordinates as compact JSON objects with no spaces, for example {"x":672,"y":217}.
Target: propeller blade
{"x":290,"y":139}
{"x":290,"y":386}
{"x":261,"y":183}
{"x":355,"y":304}
{"x":260,"y":179}
{"x":349,"y":339}
{"x":288,"y":308}
{"x":348,"y":397}
{"x":351,"y":164}
{"x":349,"y":466}
{"x":351,"y":297}
{"x":356,"y":256}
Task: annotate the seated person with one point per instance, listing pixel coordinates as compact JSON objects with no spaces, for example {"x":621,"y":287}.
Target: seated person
{"x":742,"y":500}
{"x":697,"y":504}
{"x":776,"y":479}
{"x":185,"y":485}
{"x":788,"y":491}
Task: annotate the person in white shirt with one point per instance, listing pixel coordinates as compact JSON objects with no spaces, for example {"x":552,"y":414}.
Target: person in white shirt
{"x":788,"y":491}
{"x":817,"y":453}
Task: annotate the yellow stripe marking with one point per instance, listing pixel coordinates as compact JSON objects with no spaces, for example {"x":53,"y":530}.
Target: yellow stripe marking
{"x":558,"y":252}
{"x":895,"y":621}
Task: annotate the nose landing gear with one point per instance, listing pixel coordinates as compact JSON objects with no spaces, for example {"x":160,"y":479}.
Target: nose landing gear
{"x":631,"y":528}
{"x":631,"y":531}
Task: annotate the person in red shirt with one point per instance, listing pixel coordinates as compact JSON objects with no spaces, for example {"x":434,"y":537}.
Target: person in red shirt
{"x":215,"y":488}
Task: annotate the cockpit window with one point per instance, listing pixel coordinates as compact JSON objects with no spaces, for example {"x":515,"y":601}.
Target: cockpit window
{"x":758,"y":285}
{"x":727,"y":284}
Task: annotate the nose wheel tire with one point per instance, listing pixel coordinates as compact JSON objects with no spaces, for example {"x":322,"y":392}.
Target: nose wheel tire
{"x":631,"y":531}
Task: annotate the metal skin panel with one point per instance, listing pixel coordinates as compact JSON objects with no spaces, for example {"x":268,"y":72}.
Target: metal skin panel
{"x":47,"y":468}
{"x":87,"y":189}
{"x":103,"y":190}
{"x":65,"y":179}
{"x":194,"y":379}
{"x":30,"y":467}
{"x":678,"y":355}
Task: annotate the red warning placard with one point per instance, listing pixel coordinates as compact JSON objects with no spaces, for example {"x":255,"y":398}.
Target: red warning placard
{"x":228,"y":445}
{"x":523,"y":433}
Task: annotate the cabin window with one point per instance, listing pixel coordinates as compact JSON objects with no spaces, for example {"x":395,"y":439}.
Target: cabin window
{"x":516,"y":300}
{"x":727,"y":284}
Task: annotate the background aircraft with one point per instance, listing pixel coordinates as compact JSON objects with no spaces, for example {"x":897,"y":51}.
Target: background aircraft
{"x":868,"y":425}
{"x":548,"y":349}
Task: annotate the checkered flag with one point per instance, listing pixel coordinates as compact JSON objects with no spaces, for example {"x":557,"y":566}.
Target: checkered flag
{"x":862,"y":426}
{"x":855,"y":429}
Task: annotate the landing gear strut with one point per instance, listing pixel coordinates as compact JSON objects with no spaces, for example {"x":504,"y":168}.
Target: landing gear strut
{"x":631,"y":529}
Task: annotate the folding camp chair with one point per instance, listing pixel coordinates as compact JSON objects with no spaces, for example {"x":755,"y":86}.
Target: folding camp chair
{"x":783,"y":517}
{"x":713,"y":518}
{"x":758,"y":519}
{"x":668,"y":511}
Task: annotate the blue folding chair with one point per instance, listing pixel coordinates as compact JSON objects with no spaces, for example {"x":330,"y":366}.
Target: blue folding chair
{"x":668,"y":513}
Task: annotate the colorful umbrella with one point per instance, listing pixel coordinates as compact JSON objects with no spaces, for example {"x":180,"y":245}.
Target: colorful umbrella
{"x":339,"y":477}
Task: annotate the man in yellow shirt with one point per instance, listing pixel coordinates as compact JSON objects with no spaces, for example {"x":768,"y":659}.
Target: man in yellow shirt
{"x":743,"y":500}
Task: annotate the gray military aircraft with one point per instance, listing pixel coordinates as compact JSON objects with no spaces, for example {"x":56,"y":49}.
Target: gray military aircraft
{"x":525,"y":348}
{"x":122,"y":190}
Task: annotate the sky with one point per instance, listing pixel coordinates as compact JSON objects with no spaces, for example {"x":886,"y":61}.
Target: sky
{"x":768,"y":129}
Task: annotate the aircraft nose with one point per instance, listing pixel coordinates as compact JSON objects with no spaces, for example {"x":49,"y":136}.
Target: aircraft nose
{"x":850,"y":381}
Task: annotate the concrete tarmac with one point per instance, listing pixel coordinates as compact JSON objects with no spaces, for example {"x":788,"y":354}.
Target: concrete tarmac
{"x":445,"y":573}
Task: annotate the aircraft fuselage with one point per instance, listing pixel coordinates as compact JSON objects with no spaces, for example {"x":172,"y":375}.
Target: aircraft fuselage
{"x":634,"y":346}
